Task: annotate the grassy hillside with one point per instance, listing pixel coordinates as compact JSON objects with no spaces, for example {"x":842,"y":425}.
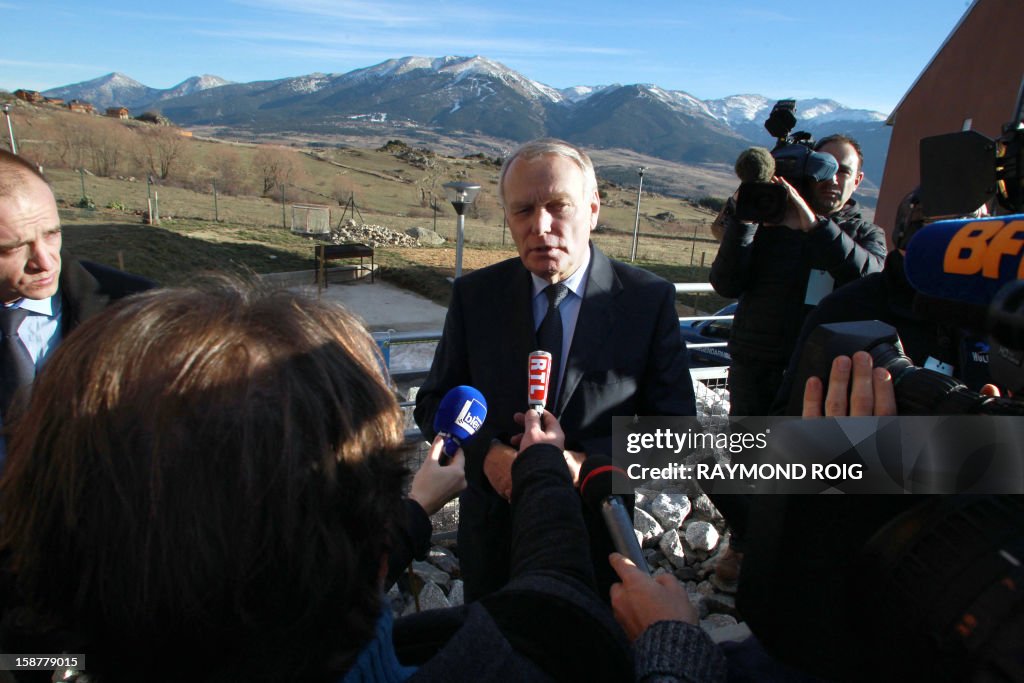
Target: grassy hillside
{"x":243,"y":226}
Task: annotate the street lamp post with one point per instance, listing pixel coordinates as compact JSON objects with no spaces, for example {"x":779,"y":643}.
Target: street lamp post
{"x":10,"y":129}
{"x":461,"y":195}
{"x":636,"y":224}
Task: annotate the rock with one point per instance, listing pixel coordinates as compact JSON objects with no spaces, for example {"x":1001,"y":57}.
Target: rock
{"x":649,"y":529}
{"x":721,"y":586}
{"x":429,"y":573}
{"x":456,"y":594}
{"x":644,"y":498}
{"x":733,"y":633}
{"x":425,"y":236}
{"x":705,"y":588}
{"x":704,"y":509}
{"x":431,"y":597}
{"x":723,"y":604}
{"x":444,"y":560}
{"x":716,"y":621}
{"x":672,"y":546}
{"x":670,"y":509}
{"x":701,"y":536}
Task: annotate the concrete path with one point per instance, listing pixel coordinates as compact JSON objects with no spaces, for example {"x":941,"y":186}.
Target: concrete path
{"x":383,"y":307}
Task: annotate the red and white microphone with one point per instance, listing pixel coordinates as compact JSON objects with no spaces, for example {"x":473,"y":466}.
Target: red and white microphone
{"x":540,"y":380}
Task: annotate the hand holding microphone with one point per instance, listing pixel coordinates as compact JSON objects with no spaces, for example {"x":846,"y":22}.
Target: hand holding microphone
{"x":540,"y":427}
{"x":435,"y":483}
{"x":641,"y":600}
{"x":459,"y":416}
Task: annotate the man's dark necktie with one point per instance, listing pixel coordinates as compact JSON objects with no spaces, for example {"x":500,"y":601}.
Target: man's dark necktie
{"x":549,"y":337}
{"x":17,"y":368}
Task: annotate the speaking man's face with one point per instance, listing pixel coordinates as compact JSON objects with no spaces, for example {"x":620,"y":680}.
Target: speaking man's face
{"x":551,"y":209}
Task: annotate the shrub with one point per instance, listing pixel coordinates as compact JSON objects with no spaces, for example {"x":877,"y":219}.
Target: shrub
{"x":711,"y":203}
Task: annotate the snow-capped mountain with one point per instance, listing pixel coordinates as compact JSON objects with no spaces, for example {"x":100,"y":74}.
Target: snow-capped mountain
{"x":118,"y":90}
{"x":476,"y":95}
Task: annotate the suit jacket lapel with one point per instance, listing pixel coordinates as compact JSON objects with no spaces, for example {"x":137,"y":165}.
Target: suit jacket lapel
{"x":594,"y":325}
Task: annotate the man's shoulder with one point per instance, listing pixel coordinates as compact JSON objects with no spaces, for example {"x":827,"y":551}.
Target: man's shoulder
{"x":80,"y":278}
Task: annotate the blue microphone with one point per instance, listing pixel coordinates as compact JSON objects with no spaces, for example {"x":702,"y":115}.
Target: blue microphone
{"x":459,"y":416}
{"x":966,"y":260}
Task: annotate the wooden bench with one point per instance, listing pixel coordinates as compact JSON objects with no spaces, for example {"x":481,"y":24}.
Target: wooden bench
{"x":331,"y":252}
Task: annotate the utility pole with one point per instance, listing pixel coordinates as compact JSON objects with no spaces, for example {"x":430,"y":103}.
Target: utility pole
{"x":10,"y":130}
{"x":636,"y":225}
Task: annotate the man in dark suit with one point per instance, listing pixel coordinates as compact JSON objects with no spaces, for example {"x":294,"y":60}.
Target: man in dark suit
{"x":45,"y":293}
{"x":620,"y":349}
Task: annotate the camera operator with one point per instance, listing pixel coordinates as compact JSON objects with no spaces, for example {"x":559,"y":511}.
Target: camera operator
{"x":779,"y":272}
{"x":940,"y":345}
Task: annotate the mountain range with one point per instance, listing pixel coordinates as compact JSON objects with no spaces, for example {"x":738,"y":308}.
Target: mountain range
{"x":475,"y":95}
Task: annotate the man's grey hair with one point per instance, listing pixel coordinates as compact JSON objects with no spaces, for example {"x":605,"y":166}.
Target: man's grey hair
{"x":544,"y":146}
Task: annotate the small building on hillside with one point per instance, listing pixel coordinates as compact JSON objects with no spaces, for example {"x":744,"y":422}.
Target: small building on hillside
{"x":81,"y":107}
{"x":118,"y":113}
{"x":971,"y":83}
{"x":56,"y":101}
{"x":33,"y":96}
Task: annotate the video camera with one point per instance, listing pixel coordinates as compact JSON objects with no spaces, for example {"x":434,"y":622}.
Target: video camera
{"x":793,"y":158}
{"x":918,"y":391}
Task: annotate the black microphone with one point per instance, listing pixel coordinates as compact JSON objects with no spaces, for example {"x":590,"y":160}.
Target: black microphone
{"x":597,"y":477}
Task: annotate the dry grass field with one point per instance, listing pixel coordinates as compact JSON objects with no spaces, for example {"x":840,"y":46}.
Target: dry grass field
{"x":244,"y":228}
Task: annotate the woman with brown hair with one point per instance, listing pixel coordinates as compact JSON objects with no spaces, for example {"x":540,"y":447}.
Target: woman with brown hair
{"x":203,"y":487}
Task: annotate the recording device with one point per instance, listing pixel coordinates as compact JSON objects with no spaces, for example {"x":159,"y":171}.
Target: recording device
{"x":961,"y":171}
{"x":539,"y":380}
{"x":459,"y":416}
{"x":918,"y":391}
{"x":596,"y":484}
{"x":792,"y":158}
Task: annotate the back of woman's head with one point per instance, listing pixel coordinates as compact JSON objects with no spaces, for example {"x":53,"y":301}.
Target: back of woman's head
{"x":208,"y":472}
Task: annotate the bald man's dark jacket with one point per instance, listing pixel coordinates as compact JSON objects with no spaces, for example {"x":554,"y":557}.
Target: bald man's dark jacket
{"x":86,"y":288}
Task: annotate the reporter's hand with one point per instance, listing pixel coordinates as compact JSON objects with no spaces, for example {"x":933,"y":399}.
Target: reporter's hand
{"x":573,"y":459}
{"x":641,"y":600}
{"x":539,"y":429}
{"x":799,"y":216}
{"x":854,"y":388}
{"x":435,"y":484}
{"x":498,"y":468}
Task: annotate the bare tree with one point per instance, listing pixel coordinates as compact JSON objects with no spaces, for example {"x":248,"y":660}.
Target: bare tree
{"x":275,"y":167}
{"x":160,"y":149}
{"x":106,"y":146}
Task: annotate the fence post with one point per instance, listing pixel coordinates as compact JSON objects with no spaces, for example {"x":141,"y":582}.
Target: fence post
{"x":284,"y":218}
{"x":216,"y":212}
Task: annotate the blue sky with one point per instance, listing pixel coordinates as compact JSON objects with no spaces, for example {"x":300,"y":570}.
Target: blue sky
{"x":864,"y":54}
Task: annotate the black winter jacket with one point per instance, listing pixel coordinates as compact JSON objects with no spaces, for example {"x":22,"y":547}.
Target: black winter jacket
{"x":767,"y":269}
